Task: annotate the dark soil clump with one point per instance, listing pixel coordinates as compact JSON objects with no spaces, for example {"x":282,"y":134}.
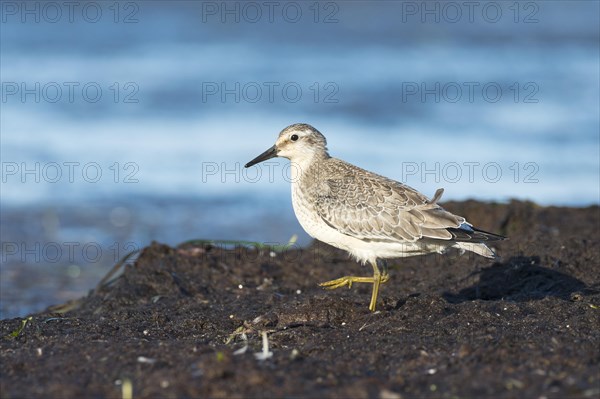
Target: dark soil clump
{"x":175,"y":323}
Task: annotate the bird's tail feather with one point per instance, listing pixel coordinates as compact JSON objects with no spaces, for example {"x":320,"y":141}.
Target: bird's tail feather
{"x":474,"y":235}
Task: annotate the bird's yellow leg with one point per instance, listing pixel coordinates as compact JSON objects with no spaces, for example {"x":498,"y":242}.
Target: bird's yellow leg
{"x":377,"y":279}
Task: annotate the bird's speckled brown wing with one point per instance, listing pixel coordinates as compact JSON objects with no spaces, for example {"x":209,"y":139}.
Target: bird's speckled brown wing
{"x":367,"y":206}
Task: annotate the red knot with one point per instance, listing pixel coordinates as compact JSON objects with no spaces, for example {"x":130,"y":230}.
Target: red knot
{"x":370,"y":216}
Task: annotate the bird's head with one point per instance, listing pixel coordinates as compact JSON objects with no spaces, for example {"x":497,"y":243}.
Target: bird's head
{"x":299,"y":143}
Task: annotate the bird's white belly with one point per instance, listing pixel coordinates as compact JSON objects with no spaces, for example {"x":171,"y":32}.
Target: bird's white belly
{"x":362,"y":250}
{"x":310,"y":220}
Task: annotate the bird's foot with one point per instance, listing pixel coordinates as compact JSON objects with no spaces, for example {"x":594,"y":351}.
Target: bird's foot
{"x":349,"y":280}
{"x":376,"y":280}
{"x":345,"y":281}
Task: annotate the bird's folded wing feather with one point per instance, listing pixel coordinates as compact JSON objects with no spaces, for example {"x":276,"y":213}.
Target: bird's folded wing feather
{"x":375,"y":208}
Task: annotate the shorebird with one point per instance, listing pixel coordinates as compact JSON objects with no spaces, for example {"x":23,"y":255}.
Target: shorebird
{"x":370,"y":216}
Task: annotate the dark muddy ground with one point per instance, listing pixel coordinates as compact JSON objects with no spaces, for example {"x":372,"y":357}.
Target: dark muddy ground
{"x":176,"y":322}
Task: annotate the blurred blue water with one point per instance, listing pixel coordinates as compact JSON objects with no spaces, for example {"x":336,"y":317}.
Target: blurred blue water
{"x":492,"y":103}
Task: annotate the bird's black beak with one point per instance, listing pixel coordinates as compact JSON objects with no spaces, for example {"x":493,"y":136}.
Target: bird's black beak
{"x":270,"y":153}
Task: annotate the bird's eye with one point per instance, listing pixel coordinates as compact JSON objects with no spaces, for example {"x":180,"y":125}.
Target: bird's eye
{"x":294,"y":137}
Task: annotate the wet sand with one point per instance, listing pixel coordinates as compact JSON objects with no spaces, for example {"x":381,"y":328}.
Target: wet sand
{"x":176,"y":321}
